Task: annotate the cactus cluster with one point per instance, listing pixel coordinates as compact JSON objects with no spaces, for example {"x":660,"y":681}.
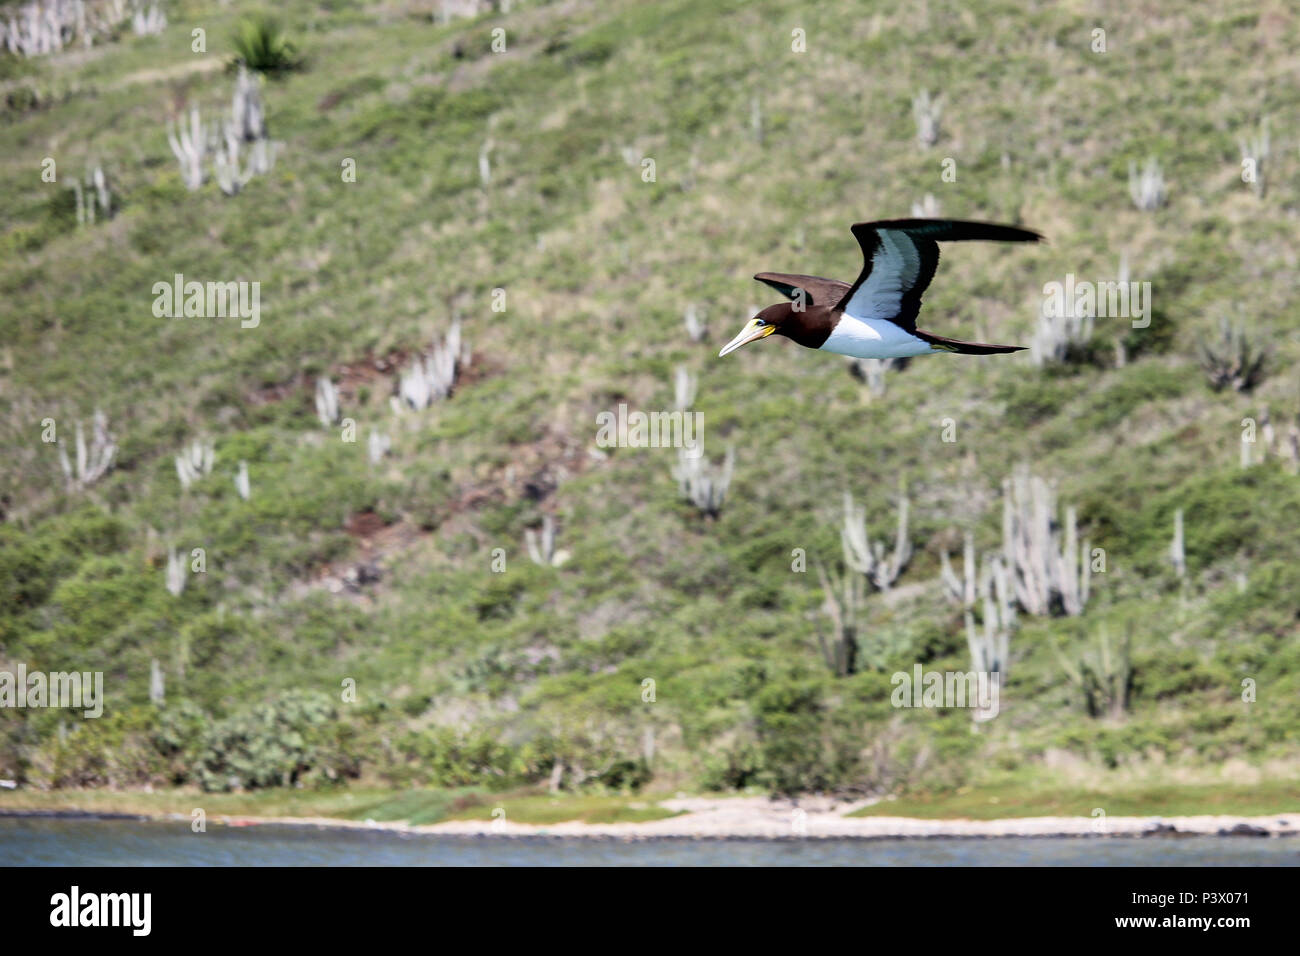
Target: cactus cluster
{"x":1231,"y":360}
{"x":433,"y":376}
{"x":927,"y":208}
{"x":844,"y":597}
{"x":541,"y":545}
{"x":91,"y":196}
{"x":1063,"y":335}
{"x":1146,"y":186}
{"x":148,"y":19}
{"x":93,"y":461}
{"x":872,"y":371}
{"x":1104,"y":676}
{"x":41,"y":27}
{"x":237,"y":146}
{"x":870,"y":558}
{"x":194,"y":462}
{"x":701,"y":482}
{"x":989,"y":590}
{"x":1050,"y":572}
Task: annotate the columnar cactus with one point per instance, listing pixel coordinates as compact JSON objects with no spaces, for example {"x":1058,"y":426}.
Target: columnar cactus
{"x":327,"y":402}
{"x":685,"y":386}
{"x":927,"y":112}
{"x":1255,"y":150}
{"x":1177,"y":554}
{"x":157,"y":685}
{"x":190,"y":146}
{"x":869,"y":558}
{"x":1049,"y":571}
{"x":378,"y":446}
{"x":175,"y":572}
{"x":485,"y":162}
{"x":843,"y":603}
{"x":696,"y":329}
{"x":962,"y":591}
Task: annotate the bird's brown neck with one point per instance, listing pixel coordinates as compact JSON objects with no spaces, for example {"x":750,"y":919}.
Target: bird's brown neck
{"x":809,"y":328}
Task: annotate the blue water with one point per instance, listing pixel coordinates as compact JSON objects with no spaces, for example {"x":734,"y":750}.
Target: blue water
{"x":27,"y":841}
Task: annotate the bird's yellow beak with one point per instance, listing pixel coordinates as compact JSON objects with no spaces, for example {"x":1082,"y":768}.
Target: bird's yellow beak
{"x":752,"y":332}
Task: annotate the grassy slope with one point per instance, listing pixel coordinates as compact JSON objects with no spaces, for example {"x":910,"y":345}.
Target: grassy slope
{"x":598,"y":267}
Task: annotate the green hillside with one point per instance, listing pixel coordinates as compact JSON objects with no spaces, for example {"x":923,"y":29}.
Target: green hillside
{"x":772,"y":127}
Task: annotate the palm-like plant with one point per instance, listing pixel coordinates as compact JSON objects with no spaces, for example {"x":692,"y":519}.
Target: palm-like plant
{"x":1232,"y":359}
{"x":261,"y":45}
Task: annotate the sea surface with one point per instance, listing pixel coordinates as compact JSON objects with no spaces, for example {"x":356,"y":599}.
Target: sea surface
{"x":46,"y":841}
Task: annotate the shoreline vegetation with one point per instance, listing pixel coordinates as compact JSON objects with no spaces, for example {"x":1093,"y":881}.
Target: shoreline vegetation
{"x":1271,"y":809}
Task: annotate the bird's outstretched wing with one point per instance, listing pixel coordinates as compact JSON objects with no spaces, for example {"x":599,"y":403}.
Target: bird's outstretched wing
{"x":900,"y":256}
{"x":817,"y":291}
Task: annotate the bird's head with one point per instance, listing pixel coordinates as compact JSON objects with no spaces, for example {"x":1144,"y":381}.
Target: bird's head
{"x":768,"y":322}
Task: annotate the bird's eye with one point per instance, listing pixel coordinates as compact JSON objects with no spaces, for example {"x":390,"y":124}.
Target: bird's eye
{"x":759,"y":322}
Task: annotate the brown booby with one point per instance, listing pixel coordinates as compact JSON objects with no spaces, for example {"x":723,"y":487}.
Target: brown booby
{"x":876,"y":316}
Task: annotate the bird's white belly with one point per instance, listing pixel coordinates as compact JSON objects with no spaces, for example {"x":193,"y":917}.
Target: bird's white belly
{"x":873,"y":338}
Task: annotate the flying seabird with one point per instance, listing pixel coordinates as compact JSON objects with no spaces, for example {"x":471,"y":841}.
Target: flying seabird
{"x":876,"y":316}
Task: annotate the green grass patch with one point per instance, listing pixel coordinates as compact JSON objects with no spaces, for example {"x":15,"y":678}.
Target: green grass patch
{"x":996,"y":801}
{"x":542,"y":809}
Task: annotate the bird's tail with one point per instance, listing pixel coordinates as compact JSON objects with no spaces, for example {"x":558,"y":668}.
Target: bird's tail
{"x":965,"y":348}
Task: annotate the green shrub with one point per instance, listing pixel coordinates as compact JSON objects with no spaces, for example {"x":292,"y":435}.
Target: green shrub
{"x":736,"y":767}
{"x":1030,"y":399}
{"x":1173,"y":672}
{"x":791,"y":724}
{"x":443,"y":758}
{"x":26,"y":571}
{"x":178,"y":737}
{"x":292,"y":740}
{"x":115,"y":750}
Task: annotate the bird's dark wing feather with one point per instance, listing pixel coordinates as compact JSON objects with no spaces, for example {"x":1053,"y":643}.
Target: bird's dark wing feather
{"x":966,"y":348}
{"x":899,"y":259}
{"x":817,"y":291}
